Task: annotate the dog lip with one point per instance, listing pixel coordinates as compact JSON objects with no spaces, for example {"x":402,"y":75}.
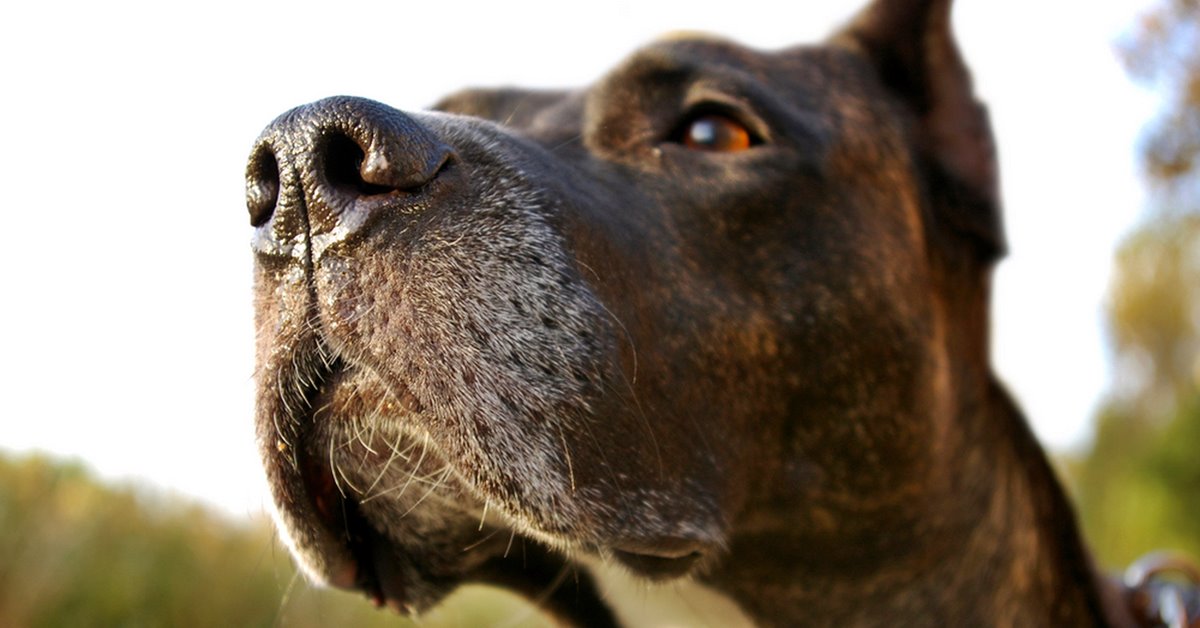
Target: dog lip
{"x":661,"y":558}
{"x":372,"y":567}
{"x":658,"y":567}
{"x":368,"y":564}
{"x":379,"y":575}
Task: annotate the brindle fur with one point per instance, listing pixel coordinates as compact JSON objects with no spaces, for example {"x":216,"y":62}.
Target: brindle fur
{"x":533,"y":331}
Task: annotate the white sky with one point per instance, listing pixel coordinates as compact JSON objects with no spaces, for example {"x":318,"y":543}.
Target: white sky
{"x":126,"y":320}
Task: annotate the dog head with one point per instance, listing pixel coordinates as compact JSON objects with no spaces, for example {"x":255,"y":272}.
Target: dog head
{"x":720,"y":294}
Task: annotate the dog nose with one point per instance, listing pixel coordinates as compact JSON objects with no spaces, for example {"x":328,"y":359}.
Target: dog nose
{"x":323,"y":167}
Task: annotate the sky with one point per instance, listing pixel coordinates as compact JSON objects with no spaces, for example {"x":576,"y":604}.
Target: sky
{"x":126,"y":317}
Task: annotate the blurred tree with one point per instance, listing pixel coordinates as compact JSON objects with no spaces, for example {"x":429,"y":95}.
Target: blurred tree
{"x":1139,"y":487}
{"x":1163,"y":52}
{"x":74,"y":552}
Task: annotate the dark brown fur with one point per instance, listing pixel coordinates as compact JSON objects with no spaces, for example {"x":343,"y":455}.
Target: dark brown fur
{"x":489,"y":350}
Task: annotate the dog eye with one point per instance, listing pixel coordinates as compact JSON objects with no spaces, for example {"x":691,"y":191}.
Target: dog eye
{"x":716,"y":133}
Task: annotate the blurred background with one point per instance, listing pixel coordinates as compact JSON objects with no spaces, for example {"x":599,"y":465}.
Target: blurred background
{"x":129,"y":485}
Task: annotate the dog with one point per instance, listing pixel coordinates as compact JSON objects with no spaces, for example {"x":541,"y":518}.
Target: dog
{"x":720,"y":318}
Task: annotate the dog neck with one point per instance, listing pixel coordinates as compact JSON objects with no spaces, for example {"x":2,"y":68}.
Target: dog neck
{"x":1000,"y":547}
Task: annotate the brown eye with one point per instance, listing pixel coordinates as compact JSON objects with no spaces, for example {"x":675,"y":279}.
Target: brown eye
{"x":717,"y":133}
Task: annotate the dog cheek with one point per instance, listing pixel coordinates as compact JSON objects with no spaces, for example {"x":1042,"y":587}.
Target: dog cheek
{"x":495,"y":335}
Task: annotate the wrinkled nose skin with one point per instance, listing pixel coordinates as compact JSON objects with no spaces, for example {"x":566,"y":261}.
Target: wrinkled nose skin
{"x":325,"y":168}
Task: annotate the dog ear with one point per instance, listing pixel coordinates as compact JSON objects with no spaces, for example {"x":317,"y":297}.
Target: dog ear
{"x":911,"y":45}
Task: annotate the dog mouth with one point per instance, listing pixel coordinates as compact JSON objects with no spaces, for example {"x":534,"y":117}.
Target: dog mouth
{"x":370,"y":562}
{"x":404,"y":550}
{"x":373,"y":570}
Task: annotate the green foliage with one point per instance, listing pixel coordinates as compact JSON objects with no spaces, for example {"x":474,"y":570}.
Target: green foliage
{"x":1139,"y":489}
{"x":74,"y":552}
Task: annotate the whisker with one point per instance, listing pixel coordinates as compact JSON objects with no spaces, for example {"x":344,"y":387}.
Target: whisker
{"x":562,"y":437}
{"x":383,"y":471}
{"x":396,"y":450}
{"x":286,"y":598}
{"x":566,"y":142}
{"x":283,"y":396}
{"x":366,"y":426}
{"x":403,"y":488}
{"x":357,"y":316}
{"x":631,"y":381}
{"x":333,"y":469}
{"x":481,"y":541}
{"x":428,"y":492}
{"x":511,"y":536}
{"x":513,"y":113}
{"x":616,"y":319}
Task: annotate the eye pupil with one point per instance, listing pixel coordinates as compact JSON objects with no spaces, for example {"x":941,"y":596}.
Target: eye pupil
{"x":717,"y":133}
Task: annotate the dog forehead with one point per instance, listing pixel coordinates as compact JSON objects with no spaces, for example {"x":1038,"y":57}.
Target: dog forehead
{"x":689,"y":53}
{"x":683,"y":54}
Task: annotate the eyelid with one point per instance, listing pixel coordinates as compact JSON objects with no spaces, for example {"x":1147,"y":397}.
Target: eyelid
{"x":703,"y":100}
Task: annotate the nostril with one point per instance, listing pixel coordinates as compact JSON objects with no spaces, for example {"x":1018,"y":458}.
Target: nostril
{"x":262,"y":185}
{"x":343,"y":165}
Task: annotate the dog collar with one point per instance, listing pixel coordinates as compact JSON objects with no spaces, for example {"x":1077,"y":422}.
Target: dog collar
{"x":1163,"y":590}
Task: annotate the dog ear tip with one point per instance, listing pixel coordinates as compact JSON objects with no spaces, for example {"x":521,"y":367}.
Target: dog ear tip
{"x":885,"y":26}
{"x":911,"y":46}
